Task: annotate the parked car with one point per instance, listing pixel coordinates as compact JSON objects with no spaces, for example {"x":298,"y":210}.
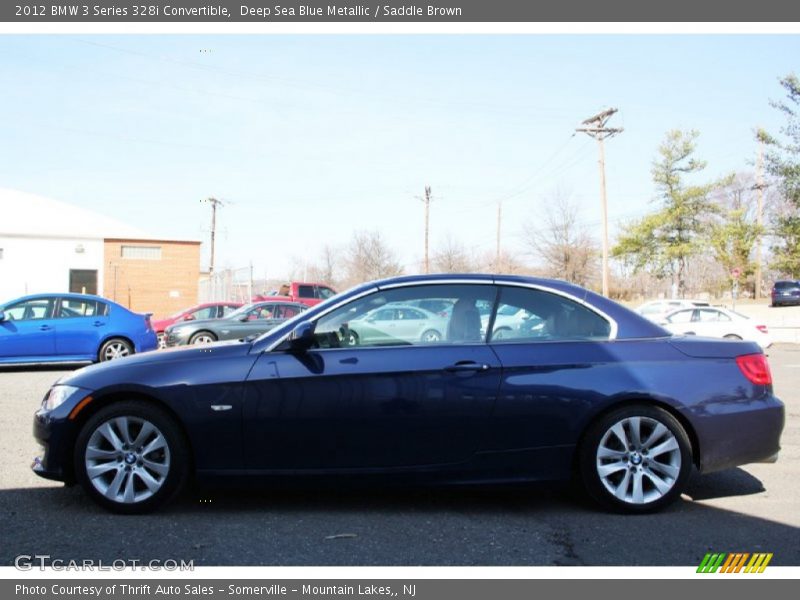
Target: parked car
{"x":70,"y":328}
{"x":602,"y":394}
{"x":718,"y":323}
{"x":303,"y":292}
{"x":785,"y":293}
{"x":201,"y":312}
{"x":396,"y":324}
{"x":511,"y":321}
{"x":253,"y":319}
{"x":656,"y":310}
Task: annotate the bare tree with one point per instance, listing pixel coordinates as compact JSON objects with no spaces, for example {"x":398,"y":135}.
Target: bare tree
{"x":367,"y":257}
{"x":326,"y":268}
{"x":453,"y":257}
{"x":562,"y":246}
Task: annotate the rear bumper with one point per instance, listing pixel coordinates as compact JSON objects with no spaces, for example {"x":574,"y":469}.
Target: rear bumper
{"x":146,"y":342}
{"x":737,"y":433}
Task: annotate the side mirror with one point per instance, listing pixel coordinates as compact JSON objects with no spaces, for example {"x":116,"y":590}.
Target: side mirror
{"x":302,"y":336}
{"x":188,"y":318}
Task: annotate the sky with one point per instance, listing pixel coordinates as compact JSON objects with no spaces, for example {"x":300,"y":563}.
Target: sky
{"x":308,"y":138}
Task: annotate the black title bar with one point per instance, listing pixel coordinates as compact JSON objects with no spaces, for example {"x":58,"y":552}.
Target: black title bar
{"x":440,"y":11}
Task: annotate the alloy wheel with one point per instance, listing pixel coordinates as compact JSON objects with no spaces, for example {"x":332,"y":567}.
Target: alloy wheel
{"x":127,"y":459}
{"x":116,"y":350}
{"x":638,"y":460}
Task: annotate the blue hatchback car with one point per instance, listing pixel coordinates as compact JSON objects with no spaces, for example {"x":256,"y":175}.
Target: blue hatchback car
{"x":70,"y":328}
{"x":576,"y":385}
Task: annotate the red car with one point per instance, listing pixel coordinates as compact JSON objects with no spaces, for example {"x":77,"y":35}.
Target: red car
{"x":300,"y":291}
{"x":209,"y":310}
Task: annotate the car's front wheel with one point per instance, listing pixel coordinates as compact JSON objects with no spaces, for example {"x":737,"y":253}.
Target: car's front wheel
{"x":131,"y":457}
{"x":635,"y":459}
{"x":202,"y":337}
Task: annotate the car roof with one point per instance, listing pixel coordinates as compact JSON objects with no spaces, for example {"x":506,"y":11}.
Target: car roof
{"x":68,"y":295}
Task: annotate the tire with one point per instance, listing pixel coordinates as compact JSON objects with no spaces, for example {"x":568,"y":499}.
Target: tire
{"x":501,"y":333}
{"x":118,"y":473}
{"x":202,"y":337}
{"x":732,"y":336}
{"x":114,"y":348}
{"x":626,"y":480}
{"x":430,"y":336}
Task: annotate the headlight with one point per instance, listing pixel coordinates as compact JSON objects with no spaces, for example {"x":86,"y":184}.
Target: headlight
{"x":58,"y":394}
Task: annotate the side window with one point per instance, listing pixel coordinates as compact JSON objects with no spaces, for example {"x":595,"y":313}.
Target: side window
{"x":227,"y":309}
{"x":683,"y":316}
{"x":209,"y":312}
{"x":375,"y":320}
{"x":712,"y":316}
{"x":305,"y":291}
{"x":324,"y":292}
{"x":290,"y":311}
{"x":71,"y":308}
{"x":526,"y":315}
{"x":31,"y":310}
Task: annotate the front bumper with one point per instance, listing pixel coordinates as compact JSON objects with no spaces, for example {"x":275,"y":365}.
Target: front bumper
{"x":172,"y":339}
{"x":54,"y":436}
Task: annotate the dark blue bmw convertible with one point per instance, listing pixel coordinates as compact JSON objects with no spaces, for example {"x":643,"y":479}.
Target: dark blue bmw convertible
{"x":526,"y":380}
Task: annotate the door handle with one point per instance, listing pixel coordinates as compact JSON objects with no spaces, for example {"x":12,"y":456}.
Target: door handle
{"x":45,"y":328}
{"x":98,"y":323}
{"x":467,"y":366}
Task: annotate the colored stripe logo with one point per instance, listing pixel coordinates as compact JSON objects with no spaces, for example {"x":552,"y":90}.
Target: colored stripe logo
{"x":736,"y":562}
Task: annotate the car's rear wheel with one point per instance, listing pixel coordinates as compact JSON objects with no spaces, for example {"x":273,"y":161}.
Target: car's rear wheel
{"x":115,"y":348}
{"x":203,"y":337}
{"x":131,"y":457}
{"x":635,"y":459}
{"x":431,"y":336}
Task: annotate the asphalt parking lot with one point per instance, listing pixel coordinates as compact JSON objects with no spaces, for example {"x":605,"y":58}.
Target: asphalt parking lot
{"x":749,"y":509}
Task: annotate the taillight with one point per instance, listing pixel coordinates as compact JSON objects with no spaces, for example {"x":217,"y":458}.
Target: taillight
{"x":148,"y":326}
{"x":755,"y":368}
{"x":762,"y":328}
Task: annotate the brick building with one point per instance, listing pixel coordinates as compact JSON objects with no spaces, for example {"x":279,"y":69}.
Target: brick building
{"x":51,"y":246}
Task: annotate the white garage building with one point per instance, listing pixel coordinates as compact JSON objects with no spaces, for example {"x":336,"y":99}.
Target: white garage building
{"x":48,"y":246}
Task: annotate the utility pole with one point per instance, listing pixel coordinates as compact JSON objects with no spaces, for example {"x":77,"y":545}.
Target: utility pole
{"x":427,"y":201}
{"x":499,"y":222}
{"x":759,"y":215}
{"x":214,"y":203}
{"x":596,"y":127}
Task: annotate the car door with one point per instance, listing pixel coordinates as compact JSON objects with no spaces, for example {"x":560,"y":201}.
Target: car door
{"x":29,"y":329}
{"x":551,"y":375}
{"x":82,"y":324}
{"x":374,"y":405}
